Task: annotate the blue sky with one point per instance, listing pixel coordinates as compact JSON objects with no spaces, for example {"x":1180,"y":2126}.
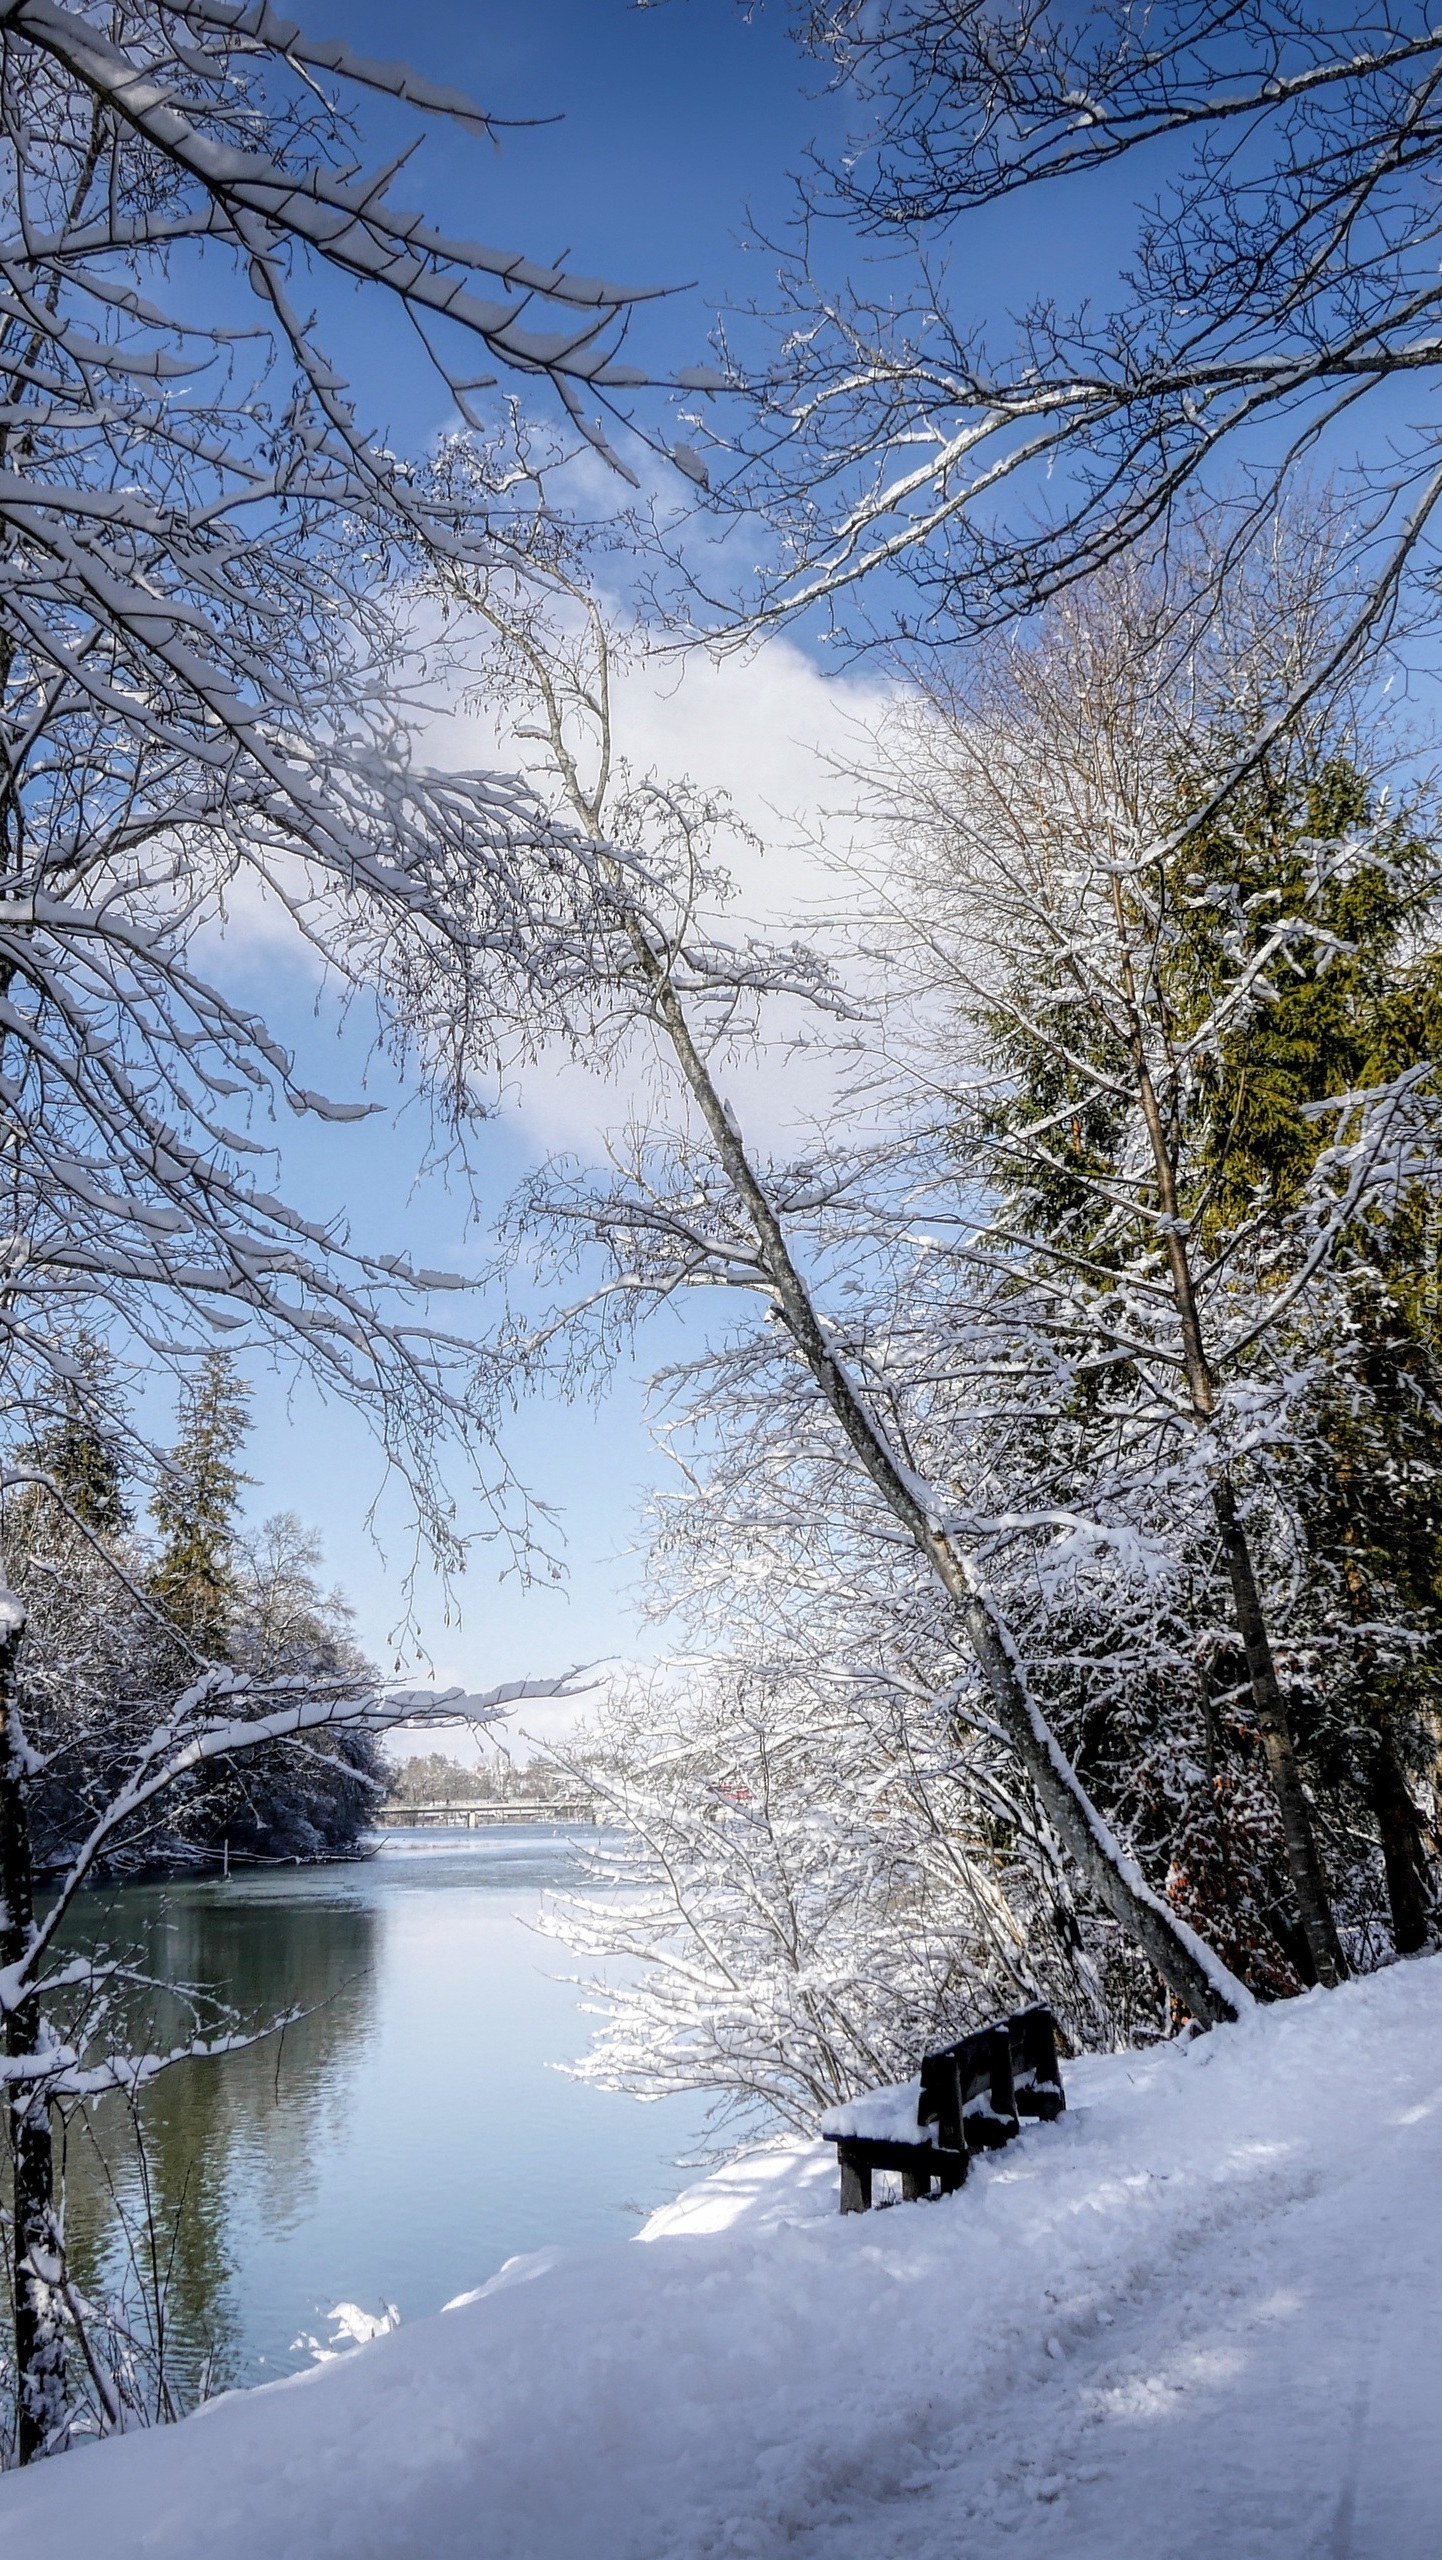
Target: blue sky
{"x":750,"y":730}
{"x":676,"y":125}
{"x":672,"y":120}
{"x":668,"y":122}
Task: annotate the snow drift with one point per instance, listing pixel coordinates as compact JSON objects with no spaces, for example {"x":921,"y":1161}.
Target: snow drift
{"x":1201,"y":2315}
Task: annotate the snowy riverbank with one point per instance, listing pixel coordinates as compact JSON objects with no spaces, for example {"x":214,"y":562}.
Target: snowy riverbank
{"x":1200,"y":2316}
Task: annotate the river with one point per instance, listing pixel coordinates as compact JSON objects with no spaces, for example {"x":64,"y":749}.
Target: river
{"x":401,"y":2139}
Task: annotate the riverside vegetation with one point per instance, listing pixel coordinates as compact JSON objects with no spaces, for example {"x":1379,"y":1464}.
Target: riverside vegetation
{"x":116,"y":1618}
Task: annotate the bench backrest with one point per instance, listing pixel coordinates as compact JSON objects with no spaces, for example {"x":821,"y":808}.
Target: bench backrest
{"x":967,"y":2093}
{"x":1035,"y":2070}
{"x":975,"y":2091}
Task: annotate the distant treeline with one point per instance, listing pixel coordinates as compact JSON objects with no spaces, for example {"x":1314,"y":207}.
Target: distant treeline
{"x":431,"y":1778}
{"x":118,"y":1616}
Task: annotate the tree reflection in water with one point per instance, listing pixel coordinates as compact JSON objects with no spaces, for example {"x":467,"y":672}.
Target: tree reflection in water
{"x":409,"y":2132}
{"x":207,"y":2133}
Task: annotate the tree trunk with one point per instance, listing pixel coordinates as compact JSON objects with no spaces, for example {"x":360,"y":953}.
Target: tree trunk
{"x":1400,"y":1827}
{"x":39,"y":2338}
{"x":1273,"y":1723}
{"x":1197,"y":1978}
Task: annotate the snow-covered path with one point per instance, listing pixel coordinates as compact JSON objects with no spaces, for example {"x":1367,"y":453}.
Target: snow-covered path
{"x":1200,"y":2317}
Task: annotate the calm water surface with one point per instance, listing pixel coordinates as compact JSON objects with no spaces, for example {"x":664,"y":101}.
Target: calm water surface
{"x":396,"y":2143}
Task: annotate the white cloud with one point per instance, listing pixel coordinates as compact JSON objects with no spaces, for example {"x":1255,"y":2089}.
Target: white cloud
{"x":775,"y":733}
{"x":765,"y":726}
{"x":769,"y":729}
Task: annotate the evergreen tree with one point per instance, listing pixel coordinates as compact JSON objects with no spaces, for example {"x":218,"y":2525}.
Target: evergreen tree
{"x":80,"y":1454}
{"x":94,"y":1662}
{"x":1355,"y":1004}
{"x":1358,"y":1006}
{"x":99,"y":1666}
{"x":195,"y":1507}
{"x":1168,"y":1014}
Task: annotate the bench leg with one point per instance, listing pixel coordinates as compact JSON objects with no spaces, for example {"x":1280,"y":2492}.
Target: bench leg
{"x":855,"y":2185}
{"x":914,"y":2185}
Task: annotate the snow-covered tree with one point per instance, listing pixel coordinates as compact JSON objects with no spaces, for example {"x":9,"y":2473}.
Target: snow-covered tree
{"x":285,"y":1801}
{"x":695,"y":1208}
{"x":102,"y":1659}
{"x":1155,"y":1043}
{"x":1014,"y":1273}
{"x":813,"y":1883}
{"x":205,"y":691}
{"x":1046,"y":905}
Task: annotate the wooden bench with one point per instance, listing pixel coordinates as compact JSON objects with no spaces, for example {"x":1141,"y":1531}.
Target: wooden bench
{"x":970,"y":2097}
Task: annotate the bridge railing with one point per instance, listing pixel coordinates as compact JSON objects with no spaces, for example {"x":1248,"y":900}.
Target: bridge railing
{"x":470,"y":1814}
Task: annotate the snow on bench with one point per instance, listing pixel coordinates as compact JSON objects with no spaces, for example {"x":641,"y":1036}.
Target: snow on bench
{"x":969,"y":2097}
{"x":882,"y":2115}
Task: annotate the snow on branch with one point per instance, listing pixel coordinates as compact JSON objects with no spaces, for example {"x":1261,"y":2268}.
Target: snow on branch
{"x":928,"y":467}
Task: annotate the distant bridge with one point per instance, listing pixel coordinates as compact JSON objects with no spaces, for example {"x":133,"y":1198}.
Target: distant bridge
{"x":465,"y":1813}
